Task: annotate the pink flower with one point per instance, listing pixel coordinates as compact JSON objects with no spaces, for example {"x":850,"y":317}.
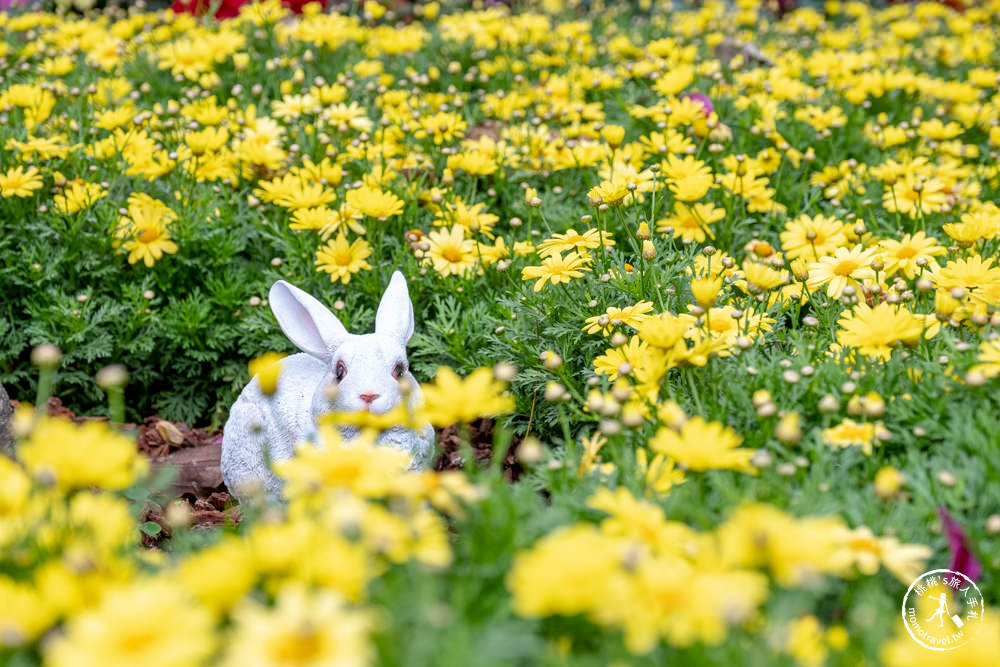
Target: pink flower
{"x":701,"y":98}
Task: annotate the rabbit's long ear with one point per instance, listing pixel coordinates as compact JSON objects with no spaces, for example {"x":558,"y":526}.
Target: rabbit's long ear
{"x":306,"y":321}
{"x":395,"y":312}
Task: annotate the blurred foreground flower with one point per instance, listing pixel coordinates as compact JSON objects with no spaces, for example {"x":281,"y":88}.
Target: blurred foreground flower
{"x":267,"y":369}
{"x":450,"y":399}
{"x":119,"y":631}
{"x":701,"y":445}
{"x":359,"y":467}
{"x":74,"y":456}
{"x":980,"y":651}
{"x":303,"y":628}
{"x":638,"y":571}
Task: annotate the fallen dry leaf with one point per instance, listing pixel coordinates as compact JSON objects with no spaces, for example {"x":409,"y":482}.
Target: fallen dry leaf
{"x":169,"y":432}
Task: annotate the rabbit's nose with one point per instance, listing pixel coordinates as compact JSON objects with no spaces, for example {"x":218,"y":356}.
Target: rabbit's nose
{"x":368,"y":398}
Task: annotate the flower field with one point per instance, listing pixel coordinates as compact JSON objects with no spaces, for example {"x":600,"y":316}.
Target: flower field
{"x":707,"y":320}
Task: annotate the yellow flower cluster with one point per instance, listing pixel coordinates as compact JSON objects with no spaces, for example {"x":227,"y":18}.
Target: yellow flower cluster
{"x":655,"y":579}
{"x":705,"y":190}
{"x":68,"y":550}
{"x":69,"y":539}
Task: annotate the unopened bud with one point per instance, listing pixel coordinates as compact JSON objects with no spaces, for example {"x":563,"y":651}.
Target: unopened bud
{"x":112,"y":376}
{"x":551,"y":360}
{"x":504,"y":371}
{"x":554,"y":391}
{"x":46,"y":355}
{"x":947,"y":478}
{"x":828,"y":403}
{"x":530,"y":451}
{"x":788,"y":430}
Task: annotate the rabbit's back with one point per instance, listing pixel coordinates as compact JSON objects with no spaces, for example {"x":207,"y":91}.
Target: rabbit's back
{"x":265,"y":429}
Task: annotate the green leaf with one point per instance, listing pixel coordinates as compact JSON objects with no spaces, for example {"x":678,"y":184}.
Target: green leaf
{"x":151,"y":528}
{"x":137,"y":493}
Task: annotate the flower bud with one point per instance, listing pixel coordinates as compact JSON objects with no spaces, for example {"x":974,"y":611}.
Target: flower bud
{"x":788,"y":430}
{"x":112,"y":376}
{"x":887,"y":483}
{"x":828,"y":403}
{"x":947,"y":478}
{"x":504,"y":371}
{"x":760,"y":397}
{"x":530,"y":451}
{"x":614,"y":135}
{"x":46,"y":355}
{"x":178,"y":514}
{"x":975,"y":379}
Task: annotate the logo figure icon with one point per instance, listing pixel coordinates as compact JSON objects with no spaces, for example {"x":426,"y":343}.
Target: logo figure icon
{"x":941,"y":610}
{"x":934,"y":599}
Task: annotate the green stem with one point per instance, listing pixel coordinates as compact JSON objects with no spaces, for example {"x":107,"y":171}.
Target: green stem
{"x":46,"y":379}
{"x":695,"y":394}
{"x":116,"y":404}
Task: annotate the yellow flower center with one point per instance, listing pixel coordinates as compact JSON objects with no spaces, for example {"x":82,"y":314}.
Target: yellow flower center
{"x":452,"y":254}
{"x":148,"y":235}
{"x":906,"y":252}
{"x":343,"y":257}
{"x":846,"y":267}
{"x":722,"y":324}
{"x":865,"y":544}
{"x":297,"y":648}
{"x":136,"y":642}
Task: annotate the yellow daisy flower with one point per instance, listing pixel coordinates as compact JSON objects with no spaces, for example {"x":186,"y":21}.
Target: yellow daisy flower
{"x":342,"y":259}
{"x":557,"y":269}
{"x":450,"y":253}
{"x":20,"y":182}
{"x":844,"y":267}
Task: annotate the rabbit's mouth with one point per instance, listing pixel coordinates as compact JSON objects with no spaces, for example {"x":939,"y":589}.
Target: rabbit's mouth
{"x":369,"y":409}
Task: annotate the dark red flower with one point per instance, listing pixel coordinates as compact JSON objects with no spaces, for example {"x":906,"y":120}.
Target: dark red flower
{"x":227,"y":8}
{"x":297,"y":5}
{"x":962,"y":558}
{"x":231,"y":8}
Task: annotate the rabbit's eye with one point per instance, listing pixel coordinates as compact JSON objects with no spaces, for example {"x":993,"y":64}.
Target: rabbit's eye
{"x":341,"y":371}
{"x":398,"y":370}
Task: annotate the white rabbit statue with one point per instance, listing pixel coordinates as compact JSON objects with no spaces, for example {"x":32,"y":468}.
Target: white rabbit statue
{"x":366,"y":370}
